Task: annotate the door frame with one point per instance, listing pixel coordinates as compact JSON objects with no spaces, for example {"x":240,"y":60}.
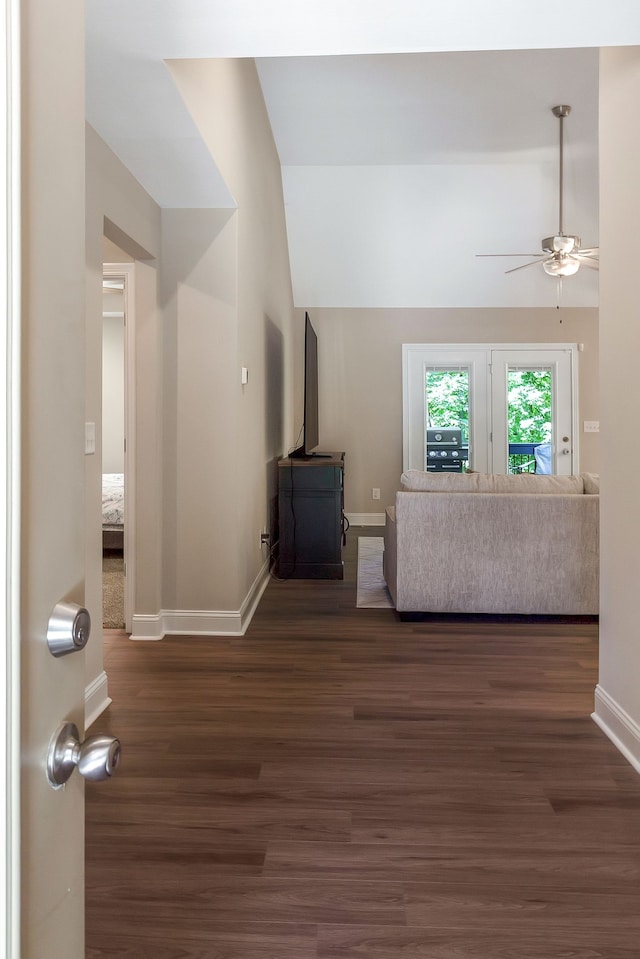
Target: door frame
{"x":413,"y":420}
{"x":127,"y":271}
{"x":10,"y":417}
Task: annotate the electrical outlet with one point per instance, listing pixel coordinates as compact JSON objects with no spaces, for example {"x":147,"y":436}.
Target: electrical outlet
{"x":375,"y":493}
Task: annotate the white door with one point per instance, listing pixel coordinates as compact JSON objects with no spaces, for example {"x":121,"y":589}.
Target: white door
{"x":472,"y":366}
{"x":43,"y":187}
{"x":514,"y":371}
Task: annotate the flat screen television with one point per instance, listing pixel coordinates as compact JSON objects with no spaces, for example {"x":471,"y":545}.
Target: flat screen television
{"x":310,"y":433}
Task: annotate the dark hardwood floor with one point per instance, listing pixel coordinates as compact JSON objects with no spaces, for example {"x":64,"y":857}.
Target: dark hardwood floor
{"x":340,"y":785}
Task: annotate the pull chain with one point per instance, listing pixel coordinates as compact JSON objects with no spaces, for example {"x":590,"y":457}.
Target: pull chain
{"x":558,"y":293}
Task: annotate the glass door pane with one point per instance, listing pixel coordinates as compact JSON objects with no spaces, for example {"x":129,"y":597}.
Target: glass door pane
{"x":447,"y":416}
{"x":529,"y":420}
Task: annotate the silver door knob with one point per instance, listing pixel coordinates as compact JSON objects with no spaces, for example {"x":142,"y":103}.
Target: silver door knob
{"x":96,"y":758}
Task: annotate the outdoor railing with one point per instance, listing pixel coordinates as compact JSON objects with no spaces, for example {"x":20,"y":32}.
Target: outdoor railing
{"x":521,"y":457}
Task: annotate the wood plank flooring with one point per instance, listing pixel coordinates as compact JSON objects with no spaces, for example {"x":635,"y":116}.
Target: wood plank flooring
{"x":340,"y":785}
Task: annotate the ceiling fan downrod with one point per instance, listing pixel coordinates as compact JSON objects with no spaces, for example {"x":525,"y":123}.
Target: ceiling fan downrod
{"x":561,"y":112}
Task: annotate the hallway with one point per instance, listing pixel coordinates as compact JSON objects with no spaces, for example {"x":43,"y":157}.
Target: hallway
{"x":340,"y":785}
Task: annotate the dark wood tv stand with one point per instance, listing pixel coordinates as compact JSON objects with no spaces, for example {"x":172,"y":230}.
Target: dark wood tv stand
{"x":311,"y":517}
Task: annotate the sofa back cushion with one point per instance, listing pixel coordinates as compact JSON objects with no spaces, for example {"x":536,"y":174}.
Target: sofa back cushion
{"x":419,"y":481}
{"x":414,"y":481}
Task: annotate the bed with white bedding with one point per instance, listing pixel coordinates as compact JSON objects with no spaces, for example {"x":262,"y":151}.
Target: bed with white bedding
{"x":112,"y":510}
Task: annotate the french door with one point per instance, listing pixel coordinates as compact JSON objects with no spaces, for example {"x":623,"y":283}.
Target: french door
{"x":532,"y":406}
{"x":511,"y":407}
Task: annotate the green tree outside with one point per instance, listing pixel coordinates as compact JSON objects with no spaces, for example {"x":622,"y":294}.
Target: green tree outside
{"x":447,"y":393}
{"x":529,"y":406}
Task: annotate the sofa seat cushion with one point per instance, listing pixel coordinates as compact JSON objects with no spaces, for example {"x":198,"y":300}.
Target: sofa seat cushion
{"x":422,"y":481}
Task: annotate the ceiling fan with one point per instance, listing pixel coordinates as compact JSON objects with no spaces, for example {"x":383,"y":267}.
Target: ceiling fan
{"x":562,"y":255}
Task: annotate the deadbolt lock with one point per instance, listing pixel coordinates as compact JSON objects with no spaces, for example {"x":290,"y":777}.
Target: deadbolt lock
{"x":68,"y":629}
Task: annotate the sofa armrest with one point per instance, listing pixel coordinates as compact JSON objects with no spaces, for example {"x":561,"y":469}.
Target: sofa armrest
{"x":390,"y":555}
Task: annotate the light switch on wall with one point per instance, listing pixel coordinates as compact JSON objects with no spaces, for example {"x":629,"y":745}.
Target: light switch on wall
{"x":89,"y":438}
{"x":244,"y":375}
{"x":591,"y":426}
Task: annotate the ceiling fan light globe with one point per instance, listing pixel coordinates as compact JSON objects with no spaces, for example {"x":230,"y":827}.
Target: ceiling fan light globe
{"x":561,"y":265}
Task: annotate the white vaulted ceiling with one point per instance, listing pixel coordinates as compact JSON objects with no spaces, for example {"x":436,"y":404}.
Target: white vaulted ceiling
{"x":398,"y":169}
{"x":411,"y":135}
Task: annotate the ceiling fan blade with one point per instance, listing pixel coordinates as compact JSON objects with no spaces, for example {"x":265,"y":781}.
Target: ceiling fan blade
{"x":588,"y":261}
{"x":511,"y":254}
{"x":524,"y":266}
{"x":588,"y":250}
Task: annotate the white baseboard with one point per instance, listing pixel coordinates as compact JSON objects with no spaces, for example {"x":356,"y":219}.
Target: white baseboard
{"x":618,"y":725}
{"x":201,"y":622}
{"x":365,"y":519}
{"x":147,"y":626}
{"x":96,"y":699}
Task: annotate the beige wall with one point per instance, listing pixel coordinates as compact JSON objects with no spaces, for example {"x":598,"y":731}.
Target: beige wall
{"x":360,"y":358}
{"x":199,"y":297}
{"x":113,"y":393}
{"x":227,"y":290}
{"x":618,"y":694}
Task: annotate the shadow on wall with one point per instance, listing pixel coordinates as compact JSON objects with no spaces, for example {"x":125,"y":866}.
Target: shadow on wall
{"x":274,"y":387}
{"x":274,"y":415}
{"x":200,"y":256}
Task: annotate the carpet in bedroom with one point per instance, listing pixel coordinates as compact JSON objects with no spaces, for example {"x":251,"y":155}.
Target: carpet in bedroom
{"x":113,"y":591}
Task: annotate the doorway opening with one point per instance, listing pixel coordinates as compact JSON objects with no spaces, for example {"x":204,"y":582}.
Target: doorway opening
{"x":117,"y":445}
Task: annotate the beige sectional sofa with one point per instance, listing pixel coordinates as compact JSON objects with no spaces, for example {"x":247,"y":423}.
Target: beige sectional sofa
{"x":485,"y":543}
